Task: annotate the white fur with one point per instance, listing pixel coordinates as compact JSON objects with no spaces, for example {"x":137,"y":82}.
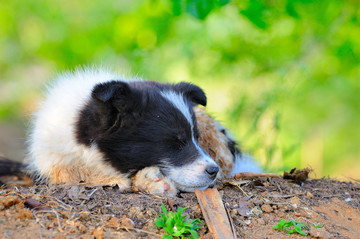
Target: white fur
{"x":190,"y":176}
{"x":245,"y":163}
{"x":177,"y":101}
{"x":52,"y":140}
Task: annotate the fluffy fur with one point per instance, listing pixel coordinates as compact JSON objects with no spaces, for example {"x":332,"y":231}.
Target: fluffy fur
{"x":104,"y":129}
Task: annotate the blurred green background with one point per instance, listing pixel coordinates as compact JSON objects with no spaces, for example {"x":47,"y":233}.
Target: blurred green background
{"x":283,"y":75}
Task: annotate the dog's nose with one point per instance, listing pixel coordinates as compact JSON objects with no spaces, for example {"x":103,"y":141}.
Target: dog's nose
{"x":212,"y":171}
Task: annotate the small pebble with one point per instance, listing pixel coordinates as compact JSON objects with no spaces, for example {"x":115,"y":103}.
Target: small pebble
{"x":309,"y":195}
{"x":255,"y":211}
{"x":266,"y":208}
{"x":98,"y":233}
{"x":82,"y":228}
{"x":113,"y":223}
{"x":127,"y":222}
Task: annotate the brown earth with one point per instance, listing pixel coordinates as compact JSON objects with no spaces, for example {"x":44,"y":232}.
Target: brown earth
{"x":254,"y":206}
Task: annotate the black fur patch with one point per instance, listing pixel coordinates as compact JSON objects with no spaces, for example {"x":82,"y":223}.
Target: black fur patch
{"x":135,"y":127}
{"x":232,"y":145}
{"x":9,"y":167}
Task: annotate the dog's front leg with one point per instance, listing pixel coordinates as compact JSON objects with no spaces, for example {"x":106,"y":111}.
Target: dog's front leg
{"x":150,"y":180}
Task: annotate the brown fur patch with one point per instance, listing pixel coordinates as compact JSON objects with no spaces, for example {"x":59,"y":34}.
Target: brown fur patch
{"x":214,"y":142}
{"x":76,"y":174}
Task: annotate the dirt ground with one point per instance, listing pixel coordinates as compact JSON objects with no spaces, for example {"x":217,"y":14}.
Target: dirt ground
{"x":254,"y":206}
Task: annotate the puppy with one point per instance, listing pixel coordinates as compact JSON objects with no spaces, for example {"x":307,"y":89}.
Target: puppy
{"x":102,"y":129}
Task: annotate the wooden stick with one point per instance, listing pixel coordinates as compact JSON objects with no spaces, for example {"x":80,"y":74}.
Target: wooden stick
{"x":214,"y":213}
{"x":255,"y":175}
{"x":33,"y":204}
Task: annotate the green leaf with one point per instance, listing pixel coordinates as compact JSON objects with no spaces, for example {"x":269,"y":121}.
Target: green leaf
{"x":194,"y":234}
{"x":179,"y":232}
{"x":280,"y":225}
{"x":177,"y":7}
{"x":291,"y":8}
{"x":160,"y":222}
{"x":164,"y":209}
{"x":317,"y":225}
{"x":255,"y":12}
{"x":184,"y":228}
{"x":200,"y":8}
{"x":298,"y":226}
{"x":222,"y":2}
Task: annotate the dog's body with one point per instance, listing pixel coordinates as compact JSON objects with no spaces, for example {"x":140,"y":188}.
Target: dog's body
{"x":99,"y":128}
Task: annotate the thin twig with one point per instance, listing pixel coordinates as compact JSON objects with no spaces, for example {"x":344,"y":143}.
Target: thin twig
{"x":171,"y":204}
{"x":58,"y":220}
{"x":64,"y":205}
{"x":255,"y":175}
{"x":285,"y":196}
{"x":238,"y":186}
{"x":90,"y":194}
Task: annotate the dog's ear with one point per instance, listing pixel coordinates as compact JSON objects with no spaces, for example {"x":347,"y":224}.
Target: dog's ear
{"x":117,"y":104}
{"x":118,"y":94}
{"x":193,"y":92}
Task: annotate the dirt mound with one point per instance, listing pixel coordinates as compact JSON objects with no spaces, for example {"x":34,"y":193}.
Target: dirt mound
{"x":254,"y":206}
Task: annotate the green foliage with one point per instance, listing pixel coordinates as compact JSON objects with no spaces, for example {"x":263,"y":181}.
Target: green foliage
{"x":197,"y":8}
{"x":175,"y":225}
{"x":293,"y":226}
{"x":297,"y":227}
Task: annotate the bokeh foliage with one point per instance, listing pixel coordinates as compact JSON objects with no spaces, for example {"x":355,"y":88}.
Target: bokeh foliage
{"x":284,"y":75}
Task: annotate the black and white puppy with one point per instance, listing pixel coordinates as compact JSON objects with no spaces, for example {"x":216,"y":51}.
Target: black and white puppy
{"x":99,"y":128}
{"x":104,"y":129}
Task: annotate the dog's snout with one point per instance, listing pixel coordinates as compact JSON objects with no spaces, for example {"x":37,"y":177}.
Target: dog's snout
{"x":212,"y":171}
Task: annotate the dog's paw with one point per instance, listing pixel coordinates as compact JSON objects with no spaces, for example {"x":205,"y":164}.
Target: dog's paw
{"x":150,"y":180}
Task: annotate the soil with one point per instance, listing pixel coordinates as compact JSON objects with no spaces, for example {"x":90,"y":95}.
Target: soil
{"x":254,"y":205}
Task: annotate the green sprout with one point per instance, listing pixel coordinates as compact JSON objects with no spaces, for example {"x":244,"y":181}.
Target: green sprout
{"x":298,"y":227}
{"x":316,"y":225}
{"x":176,"y":225}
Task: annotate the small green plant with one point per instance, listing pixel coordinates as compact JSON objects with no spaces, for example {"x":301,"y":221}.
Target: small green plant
{"x":176,"y":225}
{"x":298,"y":227}
{"x":316,"y":225}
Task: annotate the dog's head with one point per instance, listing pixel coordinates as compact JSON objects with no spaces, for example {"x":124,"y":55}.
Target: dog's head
{"x":141,"y":124}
